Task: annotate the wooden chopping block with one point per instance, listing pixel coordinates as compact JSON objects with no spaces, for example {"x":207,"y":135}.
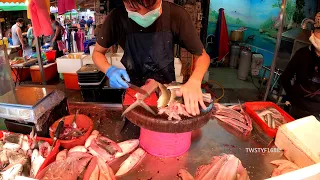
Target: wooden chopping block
{"x":300,"y":141}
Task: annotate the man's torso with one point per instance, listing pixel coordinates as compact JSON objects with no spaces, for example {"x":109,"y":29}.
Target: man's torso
{"x":15,"y":38}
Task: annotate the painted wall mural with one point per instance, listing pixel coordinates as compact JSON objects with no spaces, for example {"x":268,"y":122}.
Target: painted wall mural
{"x":261,"y":18}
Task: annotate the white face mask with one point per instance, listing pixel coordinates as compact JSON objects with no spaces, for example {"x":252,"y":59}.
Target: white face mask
{"x":315,"y":41}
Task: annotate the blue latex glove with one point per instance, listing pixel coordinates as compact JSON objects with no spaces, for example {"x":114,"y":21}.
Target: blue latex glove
{"x":117,"y":76}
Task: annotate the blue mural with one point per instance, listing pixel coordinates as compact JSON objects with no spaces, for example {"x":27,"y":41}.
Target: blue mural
{"x":261,"y":18}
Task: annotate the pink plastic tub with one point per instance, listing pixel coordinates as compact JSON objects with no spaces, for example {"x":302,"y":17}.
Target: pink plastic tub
{"x":165,"y":144}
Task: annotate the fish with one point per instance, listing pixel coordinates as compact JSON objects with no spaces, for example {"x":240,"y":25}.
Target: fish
{"x":229,"y":169}
{"x":184,"y":175}
{"x":4,"y":160}
{"x":11,"y":146}
{"x":174,"y":110}
{"x":165,"y":96}
{"x":211,"y":171}
{"x":44,"y":148}
{"x":127,"y":147}
{"x":16,"y":157}
{"x":13,"y":138}
{"x":78,"y":149}
{"x":134,"y":159}
{"x":109,"y":142}
{"x":89,"y":140}
{"x":62,"y":155}
{"x":95,"y":132}
{"x":283,"y":166}
{"x":25,"y":146}
{"x":1,"y":145}
{"x":36,"y":162}
{"x":95,"y":150}
{"x":11,"y":173}
{"x":90,"y":169}
{"x":95,"y":174}
{"x":150,"y":86}
{"x":105,"y":171}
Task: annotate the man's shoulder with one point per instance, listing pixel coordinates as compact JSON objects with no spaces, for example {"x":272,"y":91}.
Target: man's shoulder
{"x":175,"y":10}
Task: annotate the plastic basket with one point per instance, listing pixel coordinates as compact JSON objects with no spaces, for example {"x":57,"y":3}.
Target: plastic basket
{"x":251,"y":107}
{"x":165,"y":144}
{"x":51,"y":55}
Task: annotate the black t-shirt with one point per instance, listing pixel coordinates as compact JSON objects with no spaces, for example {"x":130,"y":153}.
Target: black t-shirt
{"x":304,"y":64}
{"x":117,"y":25}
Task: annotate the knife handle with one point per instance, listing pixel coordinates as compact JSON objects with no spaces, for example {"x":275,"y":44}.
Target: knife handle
{"x":59,"y":128}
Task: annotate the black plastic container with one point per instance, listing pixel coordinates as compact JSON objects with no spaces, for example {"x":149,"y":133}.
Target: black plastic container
{"x":90,"y":74}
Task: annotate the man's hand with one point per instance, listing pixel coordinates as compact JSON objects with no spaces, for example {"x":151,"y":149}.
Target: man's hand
{"x":23,"y":46}
{"x":192,"y":95}
{"x":116,"y":76}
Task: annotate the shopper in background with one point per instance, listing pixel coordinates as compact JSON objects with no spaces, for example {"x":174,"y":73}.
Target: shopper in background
{"x":57,"y":35}
{"x":82,"y":23}
{"x":30,"y":35}
{"x":89,"y":22}
{"x":17,"y":33}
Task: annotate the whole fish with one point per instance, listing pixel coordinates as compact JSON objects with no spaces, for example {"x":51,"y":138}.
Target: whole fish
{"x":127,"y":147}
{"x":164,"y":98}
{"x":131,"y":161}
{"x":109,"y":142}
{"x":150,"y":86}
{"x":11,"y":173}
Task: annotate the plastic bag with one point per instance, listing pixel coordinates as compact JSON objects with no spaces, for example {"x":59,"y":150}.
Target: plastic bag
{"x":69,"y":169}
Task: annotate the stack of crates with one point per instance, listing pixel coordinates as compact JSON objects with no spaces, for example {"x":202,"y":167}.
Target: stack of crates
{"x":91,"y":82}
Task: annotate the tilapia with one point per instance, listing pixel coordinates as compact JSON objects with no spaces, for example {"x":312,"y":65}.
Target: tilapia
{"x":11,"y":173}
{"x":134,"y":159}
{"x":150,"y":86}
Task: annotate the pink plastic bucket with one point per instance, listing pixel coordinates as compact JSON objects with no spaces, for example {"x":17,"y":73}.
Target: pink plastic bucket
{"x":165,"y":144}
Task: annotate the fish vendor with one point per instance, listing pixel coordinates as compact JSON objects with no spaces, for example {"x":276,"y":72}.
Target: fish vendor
{"x":304,"y":94}
{"x":147,"y":31}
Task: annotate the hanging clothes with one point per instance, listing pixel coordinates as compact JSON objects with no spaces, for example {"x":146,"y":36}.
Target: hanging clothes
{"x":29,"y":12}
{"x":74,"y":43}
{"x":66,"y":5}
{"x":40,"y":18}
{"x":80,"y":40}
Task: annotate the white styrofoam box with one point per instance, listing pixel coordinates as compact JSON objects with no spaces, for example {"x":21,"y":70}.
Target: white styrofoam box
{"x":179,"y":79}
{"x":67,"y":65}
{"x":307,"y":173}
{"x":300,"y":141}
{"x":87,"y":60}
{"x":116,"y":60}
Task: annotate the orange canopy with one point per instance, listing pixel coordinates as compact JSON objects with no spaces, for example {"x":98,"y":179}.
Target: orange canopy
{"x":14,"y":1}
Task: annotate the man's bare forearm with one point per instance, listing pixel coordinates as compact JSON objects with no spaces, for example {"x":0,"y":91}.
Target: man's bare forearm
{"x":201,"y":67}
{"x":100,"y":61}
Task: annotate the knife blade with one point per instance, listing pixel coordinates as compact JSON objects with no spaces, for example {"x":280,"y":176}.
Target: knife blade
{"x":138,"y":89}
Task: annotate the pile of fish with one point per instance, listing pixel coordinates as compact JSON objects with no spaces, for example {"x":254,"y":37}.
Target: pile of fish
{"x":271,"y":117}
{"x":283,"y":166}
{"x":82,"y":161}
{"x":168,"y":102}
{"x":235,"y":117}
{"x":21,"y":156}
{"x":224,"y":167}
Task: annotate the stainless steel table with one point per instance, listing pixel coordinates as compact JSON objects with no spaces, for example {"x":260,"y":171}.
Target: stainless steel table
{"x":212,"y":140}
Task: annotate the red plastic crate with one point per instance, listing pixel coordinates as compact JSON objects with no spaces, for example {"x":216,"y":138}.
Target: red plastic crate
{"x":251,"y":107}
{"x":51,"y":157}
{"x":71,"y":81}
{"x":51,"y":56}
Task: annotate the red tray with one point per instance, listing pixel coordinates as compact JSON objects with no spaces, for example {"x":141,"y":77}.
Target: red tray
{"x":251,"y":107}
{"x":51,"y":157}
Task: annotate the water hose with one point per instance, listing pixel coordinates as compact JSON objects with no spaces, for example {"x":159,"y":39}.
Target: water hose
{"x":219,"y":98}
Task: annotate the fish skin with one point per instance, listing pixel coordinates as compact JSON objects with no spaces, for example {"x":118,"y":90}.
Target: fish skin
{"x":62,"y":155}
{"x":111,"y":142}
{"x":36,"y":162}
{"x":11,"y":146}
{"x":127,"y":147}
{"x":165,"y":96}
{"x":12,"y":172}
{"x":105,"y":171}
{"x":185,"y":175}
{"x":214,"y":170}
{"x":95,"y":150}
{"x":89,"y":140}
{"x":134,"y":159}
{"x":77,"y":149}
{"x":229,"y":169}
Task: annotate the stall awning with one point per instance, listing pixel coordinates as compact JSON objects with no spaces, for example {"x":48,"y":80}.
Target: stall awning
{"x":12,"y":6}
{"x":12,"y":1}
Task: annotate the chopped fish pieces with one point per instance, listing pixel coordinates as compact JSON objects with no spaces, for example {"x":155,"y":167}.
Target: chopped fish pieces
{"x":174,"y":110}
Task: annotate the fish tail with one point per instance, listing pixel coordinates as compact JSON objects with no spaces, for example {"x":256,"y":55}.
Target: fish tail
{"x":146,"y":107}
{"x":132,"y":106}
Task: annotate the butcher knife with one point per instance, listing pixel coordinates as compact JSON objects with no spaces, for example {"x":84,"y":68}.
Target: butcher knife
{"x":138,"y":89}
